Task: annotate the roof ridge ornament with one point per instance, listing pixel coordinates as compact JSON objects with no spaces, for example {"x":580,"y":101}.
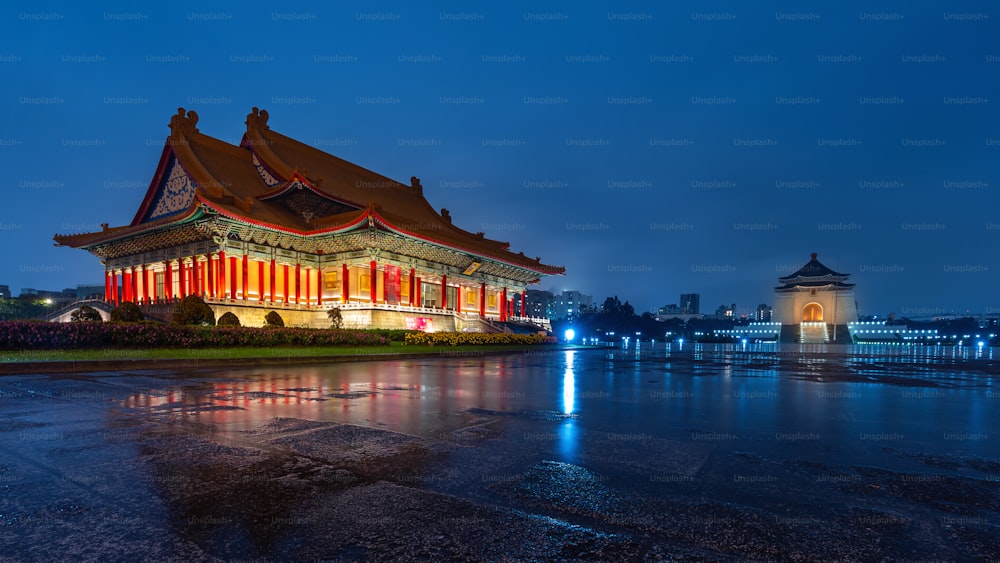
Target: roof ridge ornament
{"x":257,"y":119}
{"x":415,"y":184}
{"x":181,"y":124}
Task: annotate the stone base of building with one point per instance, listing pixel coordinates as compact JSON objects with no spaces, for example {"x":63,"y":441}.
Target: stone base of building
{"x":354,"y":316}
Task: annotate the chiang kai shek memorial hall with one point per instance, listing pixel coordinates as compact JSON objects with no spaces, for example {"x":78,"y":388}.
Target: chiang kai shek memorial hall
{"x":274,"y":224}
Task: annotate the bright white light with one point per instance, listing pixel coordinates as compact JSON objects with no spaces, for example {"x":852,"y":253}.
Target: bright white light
{"x":569,"y":334}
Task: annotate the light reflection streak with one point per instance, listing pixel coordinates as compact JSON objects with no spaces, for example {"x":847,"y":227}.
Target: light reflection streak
{"x":568,"y":434}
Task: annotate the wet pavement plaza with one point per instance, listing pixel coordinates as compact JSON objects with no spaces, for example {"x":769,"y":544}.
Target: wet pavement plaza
{"x":706,"y":453}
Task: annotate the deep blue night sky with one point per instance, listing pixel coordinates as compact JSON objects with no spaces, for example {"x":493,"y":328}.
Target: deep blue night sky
{"x":651,"y":149}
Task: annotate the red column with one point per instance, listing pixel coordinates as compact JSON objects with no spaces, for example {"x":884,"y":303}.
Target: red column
{"x":524,"y":303}
{"x":373,"y":286}
{"x":210,"y":276}
{"x":181,"y":279}
{"x":115,"y":296}
{"x":260,"y":280}
{"x":344,"y":284}
{"x":124,"y":286}
{"x":413,"y":290}
{"x":232,"y":277}
{"x":385,"y":285}
{"x":444,"y":292}
{"x":418,"y":302}
{"x":195,"y":282}
{"x":284,"y":268}
{"x":298,"y":272}
{"x":503,"y":305}
{"x":221,"y":273}
{"x":273,"y":277}
{"x":246,"y":276}
{"x":135,"y":285}
{"x":308,"y":283}
{"x":319,"y":286}
{"x":168,"y":280}
{"x":482,"y":300}
{"x":107,"y":286}
{"x":145,"y":283}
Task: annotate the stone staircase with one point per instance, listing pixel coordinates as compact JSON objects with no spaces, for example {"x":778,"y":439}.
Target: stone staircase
{"x":813,"y":333}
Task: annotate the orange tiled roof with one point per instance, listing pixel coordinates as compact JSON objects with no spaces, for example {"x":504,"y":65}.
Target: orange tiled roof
{"x":301,"y":179}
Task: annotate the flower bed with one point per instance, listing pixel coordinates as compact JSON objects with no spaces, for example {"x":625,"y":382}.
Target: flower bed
{"x":476,"y":339}
{"x":34,"y":335}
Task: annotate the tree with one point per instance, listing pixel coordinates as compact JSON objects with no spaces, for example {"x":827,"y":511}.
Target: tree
{"x":85,"y":313}
{"x":192,"y":310}
{"x":336,"y":319}
{"x":11,"y":309}
{"x":611,"y":306}
{"x":127,"y":312}
{"x":273,"y":320}
{"x":228,"y":319}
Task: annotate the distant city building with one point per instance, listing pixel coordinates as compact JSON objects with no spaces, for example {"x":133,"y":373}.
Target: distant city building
{"x":569,"y":303}
{"x":5,"y":292}
{"x":763,"y":313}
{"x":726,"y":311}
{"x":668,"y":310}
{"x":815,"y":304}
{"x":89,"y":292}
{"x":56,"y":297}
{"x":537,"y":303}
{"x":690,"y":303}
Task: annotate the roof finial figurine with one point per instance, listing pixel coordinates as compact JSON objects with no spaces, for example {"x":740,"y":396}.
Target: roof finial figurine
{"x":257,"y":118}
{"x":415,"y":184}
{"x":813,"y":255}
{"x":180,"y":123}
{"x":446,"y":214}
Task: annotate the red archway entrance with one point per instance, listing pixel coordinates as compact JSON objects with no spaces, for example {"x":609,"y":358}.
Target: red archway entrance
{"x":812,"y":312}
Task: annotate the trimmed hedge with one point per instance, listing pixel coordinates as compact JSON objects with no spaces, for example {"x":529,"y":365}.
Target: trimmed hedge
{"x":476,"y":338}
{"x":394,"y":334}
{"x":228,"y":319}
{"x":40,"y":335}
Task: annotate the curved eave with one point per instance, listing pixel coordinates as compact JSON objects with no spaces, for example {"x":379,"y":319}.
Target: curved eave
{"x":298,"y":180}
{"x":540,"y":269}
{"x":264,"y":224}
{"x":545,"y":270}
{"x":193,"y":212}
{"x":812,"y":279}
{"x":793,"y":288}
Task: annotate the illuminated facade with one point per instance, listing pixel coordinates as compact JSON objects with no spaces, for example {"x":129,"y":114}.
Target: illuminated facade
{"x":274,"y":224}
{"x":814,"y":305}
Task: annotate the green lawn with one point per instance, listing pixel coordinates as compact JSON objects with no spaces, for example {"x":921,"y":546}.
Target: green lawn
{"x":396,"y":348}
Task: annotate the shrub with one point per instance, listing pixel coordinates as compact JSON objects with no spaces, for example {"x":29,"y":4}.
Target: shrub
{"x":274,"y":320}
{"x":336,"y":319}
{"x":393,"y":334}
{"x":40,"y":335}
{"x":84,"y":314}
{"x":228,"y":319}
{"x":127,"y":312}
{"x":192,"y":310}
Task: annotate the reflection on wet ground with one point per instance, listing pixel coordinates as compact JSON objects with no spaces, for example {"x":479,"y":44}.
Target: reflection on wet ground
{"x":701,"y":452}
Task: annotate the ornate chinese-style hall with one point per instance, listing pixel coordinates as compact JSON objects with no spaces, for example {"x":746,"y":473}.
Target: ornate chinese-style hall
{"x":275,"y":224}
{"x":815,"y":304}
